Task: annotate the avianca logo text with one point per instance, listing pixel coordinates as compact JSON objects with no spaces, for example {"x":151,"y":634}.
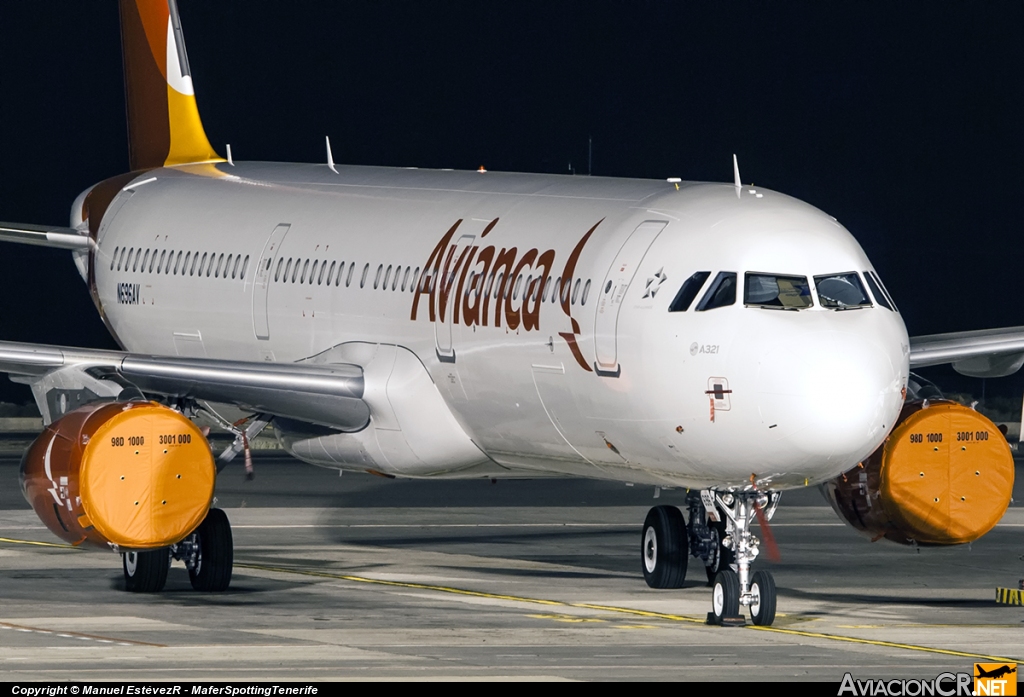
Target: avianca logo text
{"x":489,"y":286}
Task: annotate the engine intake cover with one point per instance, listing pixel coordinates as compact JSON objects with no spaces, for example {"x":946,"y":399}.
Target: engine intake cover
{"x":137,"y":475}
{"x":944,"y":476}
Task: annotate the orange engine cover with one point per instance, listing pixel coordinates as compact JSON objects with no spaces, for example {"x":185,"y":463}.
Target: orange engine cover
{"x":944,"y":476}
{"x":137,"y":475}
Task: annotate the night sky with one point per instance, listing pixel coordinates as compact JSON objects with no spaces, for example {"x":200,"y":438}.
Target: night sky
{"x":901,"y":119}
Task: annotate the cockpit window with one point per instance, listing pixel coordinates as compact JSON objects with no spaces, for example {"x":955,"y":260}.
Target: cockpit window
{"x":686,"y":294}
{"x":721,"y":293}
{"x":841,"y":291}
{"x":885,"y":291}
{"x":876,"y":290}
{"x":777,"y":292}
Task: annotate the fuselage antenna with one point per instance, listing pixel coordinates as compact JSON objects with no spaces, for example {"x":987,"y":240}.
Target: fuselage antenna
{"x":330,"y":157}
{"x":736,"y":174}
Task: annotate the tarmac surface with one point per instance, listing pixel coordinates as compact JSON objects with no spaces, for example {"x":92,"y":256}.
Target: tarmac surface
{"x":358,"y":577}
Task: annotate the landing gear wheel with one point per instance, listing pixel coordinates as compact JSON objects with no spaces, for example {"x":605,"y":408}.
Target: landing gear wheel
{"x":762,"y":591}
{"x":725,"y":596}
{"x":145,"y":572}
{"x":664,"y":548}
{"x":721,"y":558}
{"x":211,"y":570}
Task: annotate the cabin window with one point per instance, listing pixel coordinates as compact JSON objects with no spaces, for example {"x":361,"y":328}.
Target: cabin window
{"x":555,"y":289}
{"x":163,"y":257}
{"x":841,"y":291}
{"x":177,"y":262}
{"x":586,"y":292}
{"x":323,"y":270}
{"x":245,"y":266}
{"x":234,"y":267}
{"x":405,"y":278}
{"x":113,"y":259}
{"x":688,"y":292}
{"x":351,"y":268}
{"x":366,"y":272}
{"x":145,"y":260}
{"x":312,"y":272}
{"x":566,"y":287}
{"x":287,"y":269}
{"x":415,"y":279}
{"x":152,"y":261}
{"x":192,"y":269}
{"x":722,"y":292}
{"x":277,"y":271}
{"x":123,"y":250}
{"x":330,"y":272}
{"x":387,"y":277}
{"x":305,"y":268}
{"x":575,"y":291}
{"x":881,"y":297}
{"x":394,"y":283}
{"x":376,"y":279}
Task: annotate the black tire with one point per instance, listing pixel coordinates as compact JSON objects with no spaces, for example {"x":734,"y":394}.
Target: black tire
{"x":723,"y":558}
{"x":145,"y":572}
{"x":664,"y":548}
{"x":762,"y":588}
{"x":212,"y":571}
{"x":725,"y":596}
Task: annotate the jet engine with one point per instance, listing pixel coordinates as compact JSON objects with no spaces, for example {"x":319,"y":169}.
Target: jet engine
{"x":133,"y":476}
{"x":944,"y":476}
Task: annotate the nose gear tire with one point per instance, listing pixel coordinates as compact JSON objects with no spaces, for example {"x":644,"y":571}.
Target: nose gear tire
{"x":762,"y":590}
{"x":145,"y":572}
{"x":664,"y":548}
{"x":725,"y":596}
{"x":212,"y":570}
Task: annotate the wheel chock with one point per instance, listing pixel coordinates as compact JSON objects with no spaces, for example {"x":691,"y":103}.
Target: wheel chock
{"x":1010,"y":596}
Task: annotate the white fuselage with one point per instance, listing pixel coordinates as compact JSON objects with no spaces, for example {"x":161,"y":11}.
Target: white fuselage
{"x":613,"y":387}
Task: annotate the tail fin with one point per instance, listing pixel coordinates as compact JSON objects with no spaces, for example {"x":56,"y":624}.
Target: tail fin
{"x":164,"y":127}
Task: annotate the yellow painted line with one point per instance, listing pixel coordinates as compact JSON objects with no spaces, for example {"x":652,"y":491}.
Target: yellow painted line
{"x":13,"y":541}
{"x":401,"y":584}
{"x":888,"y":644}
{"x":622,"y":610}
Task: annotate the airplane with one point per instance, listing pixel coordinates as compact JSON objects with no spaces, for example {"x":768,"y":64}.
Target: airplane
{"x":419,"y":323}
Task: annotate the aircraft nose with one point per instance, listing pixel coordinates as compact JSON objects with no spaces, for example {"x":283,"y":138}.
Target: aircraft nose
{"x":829,"y":397}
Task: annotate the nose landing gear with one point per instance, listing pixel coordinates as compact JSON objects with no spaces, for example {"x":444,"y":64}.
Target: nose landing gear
{"x":719,"y":534}
{"x":734,"y":586}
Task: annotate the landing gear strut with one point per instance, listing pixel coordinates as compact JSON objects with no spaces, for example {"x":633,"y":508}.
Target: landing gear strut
{"x":735,"y":587}
{"x":718,"y":533}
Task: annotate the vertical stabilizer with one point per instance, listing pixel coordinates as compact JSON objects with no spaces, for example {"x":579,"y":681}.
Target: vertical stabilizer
{"x":164,"y":127}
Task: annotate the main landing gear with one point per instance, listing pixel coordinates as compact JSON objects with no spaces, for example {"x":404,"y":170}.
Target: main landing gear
{"x":718,"y":533}
{"x":208,"y":554}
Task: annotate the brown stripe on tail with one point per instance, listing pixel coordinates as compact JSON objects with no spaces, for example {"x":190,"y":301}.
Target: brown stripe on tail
{"x":164,"y":127}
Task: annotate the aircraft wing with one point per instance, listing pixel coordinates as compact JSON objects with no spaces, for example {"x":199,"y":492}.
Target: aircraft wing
{"x":986,"y":353}
{"x":44,"y":235}
{"x":327,"y":395}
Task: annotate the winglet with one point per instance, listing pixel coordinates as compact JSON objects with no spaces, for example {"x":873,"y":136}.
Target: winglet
{"x":164,"y":127}
{"x":736,"y":172}
{"x":330,"y":157}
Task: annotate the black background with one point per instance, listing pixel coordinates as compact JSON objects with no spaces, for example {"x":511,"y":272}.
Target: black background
{"x":900,"y":119}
